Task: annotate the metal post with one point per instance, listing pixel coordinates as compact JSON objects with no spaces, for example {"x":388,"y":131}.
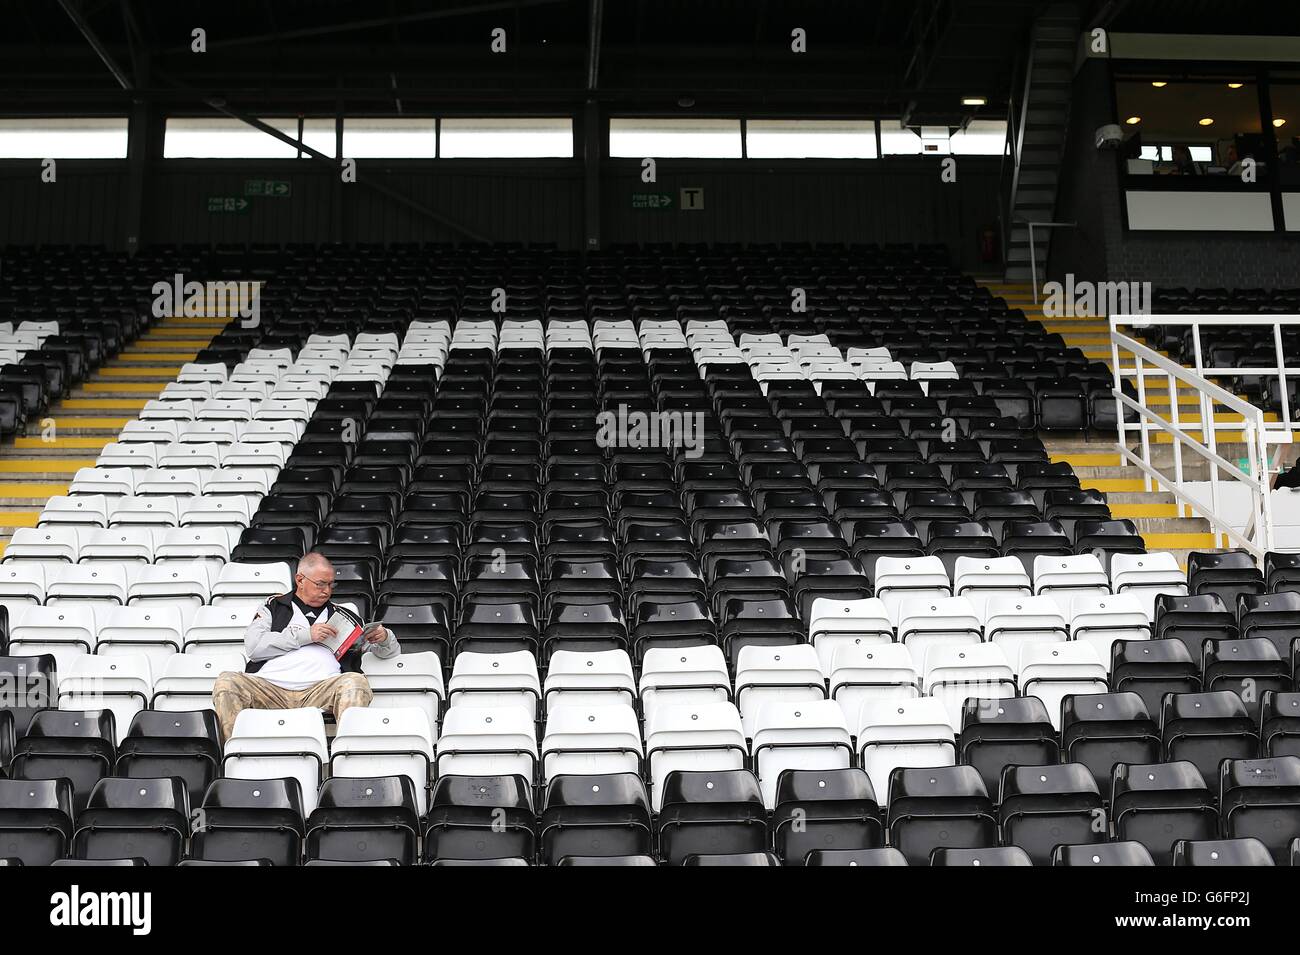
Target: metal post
{"x":1146,"y":425}
{"x":1178,"y":444}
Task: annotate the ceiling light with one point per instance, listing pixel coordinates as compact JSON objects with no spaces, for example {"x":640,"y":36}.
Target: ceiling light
{"x":1205,"y":122}
{"x":974,"y":101}
{"x":1235,"y":86}
{"x":1279,"y":123}
{"x":1159,"y":84}
{"x":1133,"y":120}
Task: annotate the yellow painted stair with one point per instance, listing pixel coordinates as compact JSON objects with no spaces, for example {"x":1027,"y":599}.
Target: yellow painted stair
{"x":40,"y":464}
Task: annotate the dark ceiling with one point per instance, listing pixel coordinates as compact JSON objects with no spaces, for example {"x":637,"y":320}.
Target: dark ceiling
{"x":864,"y":57}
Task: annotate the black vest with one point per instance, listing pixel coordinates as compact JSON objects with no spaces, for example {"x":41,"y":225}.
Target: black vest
{"x":282,"y":615}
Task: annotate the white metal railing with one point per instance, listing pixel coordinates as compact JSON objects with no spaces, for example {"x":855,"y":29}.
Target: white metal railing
{"x":1033,"y":257}
{"x":1133,"y":360}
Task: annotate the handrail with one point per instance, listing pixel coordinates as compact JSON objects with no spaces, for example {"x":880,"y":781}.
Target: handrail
{"x":1020,"y":133}
{"x":1033,"y":259}
{"x":1257,"y":537}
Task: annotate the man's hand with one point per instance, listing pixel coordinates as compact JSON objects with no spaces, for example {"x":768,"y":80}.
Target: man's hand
{"x":378,"y":635}
{"x":322,"y":631}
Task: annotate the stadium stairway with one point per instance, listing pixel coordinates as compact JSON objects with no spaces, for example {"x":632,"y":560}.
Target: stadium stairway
{"x":1161,"y":520}
{"x":41,"y":463}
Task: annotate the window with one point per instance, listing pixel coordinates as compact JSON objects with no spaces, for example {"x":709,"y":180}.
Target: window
{"x":1285,"y":99}
{"x":1181,"y":127}
{"x":89,"y":138}
{"x":222,"y":138}
{"x":675,"y":138}
{"x":981,"y":137}
{"x":897,"y":140}
{"x":399,"y":137}
{"x":507,"y":138}
{"x":810,"y":139}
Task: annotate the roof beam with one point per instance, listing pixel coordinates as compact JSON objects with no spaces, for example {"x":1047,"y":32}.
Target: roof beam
{"x":95,"y":44}
{"x":595,"y":22}
{"x":398,"y":197}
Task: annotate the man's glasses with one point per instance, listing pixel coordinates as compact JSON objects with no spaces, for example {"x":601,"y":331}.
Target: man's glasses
{"x":322,"y":584}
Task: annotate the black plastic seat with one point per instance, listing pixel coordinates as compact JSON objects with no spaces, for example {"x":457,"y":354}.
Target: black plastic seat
{"x":365,"y":819}
{"x":480,"y":818}
{"x":711,"y":812}
{"x":1103,"y":854}
{"x":595,"y":816}
{"x":69,"y":743}
{"x":1230,"y":853}
{"x":995,"y":856}
{"x":996,"y":733}
{"x":1227,"y":574}
{"x":887,"y":856}
{"x":1042,"y":807}
{"x":1279,"y":722}
{"x":1152,"y":668}
{"x":37,"y":677}
{"x":1248,"y":667}
{"x":185,"y":745}
{"x":824,"y":809}
{"x":250,"y":819}
{"x":1270,"y":616}
{"x":1193,"y":620}
{"x":1100,"y":730}
{"x":941,"y":807}
{"x":732,"y":859}
{"x":1207,"y":728}
{"x":35,"y":819}
{"x":1260,"y":798}
{"x":136,"y":818}
{"x":1156,"y":804}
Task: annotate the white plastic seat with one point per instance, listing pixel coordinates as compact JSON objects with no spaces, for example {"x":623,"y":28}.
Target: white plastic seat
{"x":1061,"y":578}
{"x":385,"y":741}
{"x":25,"y":581}
{"x":905,"y":578}
{"x":1101,"y":619}
{"x":487,"y":741}
{"x":118,"y":454}
{"x":187,"y":679}
{"x":243,"y":454}
{"x":85,"y":510}
{"x":591,"y":740}
{"x":202,"y":371}
{"x":155,"y":511}
{"x":225,"y":510}
{"x":496,"y":680}
{"x":881,"y":672}
{"x":156,"y":409}
{"x":275,"y":744}
{"x":270,"y":432}
{"x":589,"y":678}
{"x":407,"y":680}
{"x":683,"y":676}
{"x":1146,"y":576}
{"x":155,"y":631}
{"x":932,"y":621}
{"x":175,"y":583}
{"x":207,"y":432}
{"x":766,"y":674}
{"x":49,"y":544}
{"x":903,"y":733}
{"x":122,"y":683}
{"x":218,"y":629}
{"x":200,"y":542}
{"x":194,"y":454}
{"x":175,"y":482}
{"x":838,"y":623}
{"x":812,"y":734}
{"x":225,"y":409}
{"x":106,"y":481}
{"x":955,"y":674}
{"x":150,"y":431}
{"x":64,"y":632}
{"x":248,"y":582}
{"x":980,"y":578}
{"x":98,"y":582}
{"x":1010,"y":622}
{"x":284,"y":409}
{"x":701,"y":736}
{"x":249,"y":482}
{"x":1052,"y":671}
{"x":123,"y":543}
{"x":189,"y":390}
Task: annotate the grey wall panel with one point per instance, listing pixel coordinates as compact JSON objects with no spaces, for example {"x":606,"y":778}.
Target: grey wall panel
{"x":81,"y":205}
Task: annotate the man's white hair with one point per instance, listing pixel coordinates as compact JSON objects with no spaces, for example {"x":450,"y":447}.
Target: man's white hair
{"x":313,"y":561}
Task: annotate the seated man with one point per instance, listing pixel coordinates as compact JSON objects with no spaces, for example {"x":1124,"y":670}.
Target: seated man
{"x":292,"y":667}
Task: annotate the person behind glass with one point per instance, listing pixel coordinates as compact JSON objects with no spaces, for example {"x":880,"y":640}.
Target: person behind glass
{"x":288,"y":666}
{"x":1184,"y":165}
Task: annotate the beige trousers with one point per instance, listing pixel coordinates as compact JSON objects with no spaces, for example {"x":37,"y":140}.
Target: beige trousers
{"x":235,"y":691}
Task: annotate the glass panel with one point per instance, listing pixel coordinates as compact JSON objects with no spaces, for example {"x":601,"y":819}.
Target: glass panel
{"x":981,"y":137}
{"x":507,"y":138}
{"x":89,"y":138}
{"x":397,"y":137}
{"x":678,"y":138}
{"x":810,"y":139}
{"x":222,"y":138}
{"x":1190,"y":128}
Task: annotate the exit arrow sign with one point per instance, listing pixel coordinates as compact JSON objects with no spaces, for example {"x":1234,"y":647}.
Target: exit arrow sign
{"x":235,"y":204}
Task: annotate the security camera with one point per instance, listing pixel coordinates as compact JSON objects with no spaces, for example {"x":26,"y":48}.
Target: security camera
{"x":1109,"y":136}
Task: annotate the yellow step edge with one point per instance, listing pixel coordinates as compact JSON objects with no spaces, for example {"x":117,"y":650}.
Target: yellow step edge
{"x":1112,"y":484}
{"x":126,"y":387}
{"x":123,"y":370}
{"x":88,"y":422}
{"x":19,"y":518}
{"x":101,"y":404}
{"x":42,"y":491}
{"x":1174,"y":541}
{"x":58,"y":444}
{"x":1086,"y":459}
{"x":44,"y":465}
{"x":1144,"y":510}
{"x":156,"y":356}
